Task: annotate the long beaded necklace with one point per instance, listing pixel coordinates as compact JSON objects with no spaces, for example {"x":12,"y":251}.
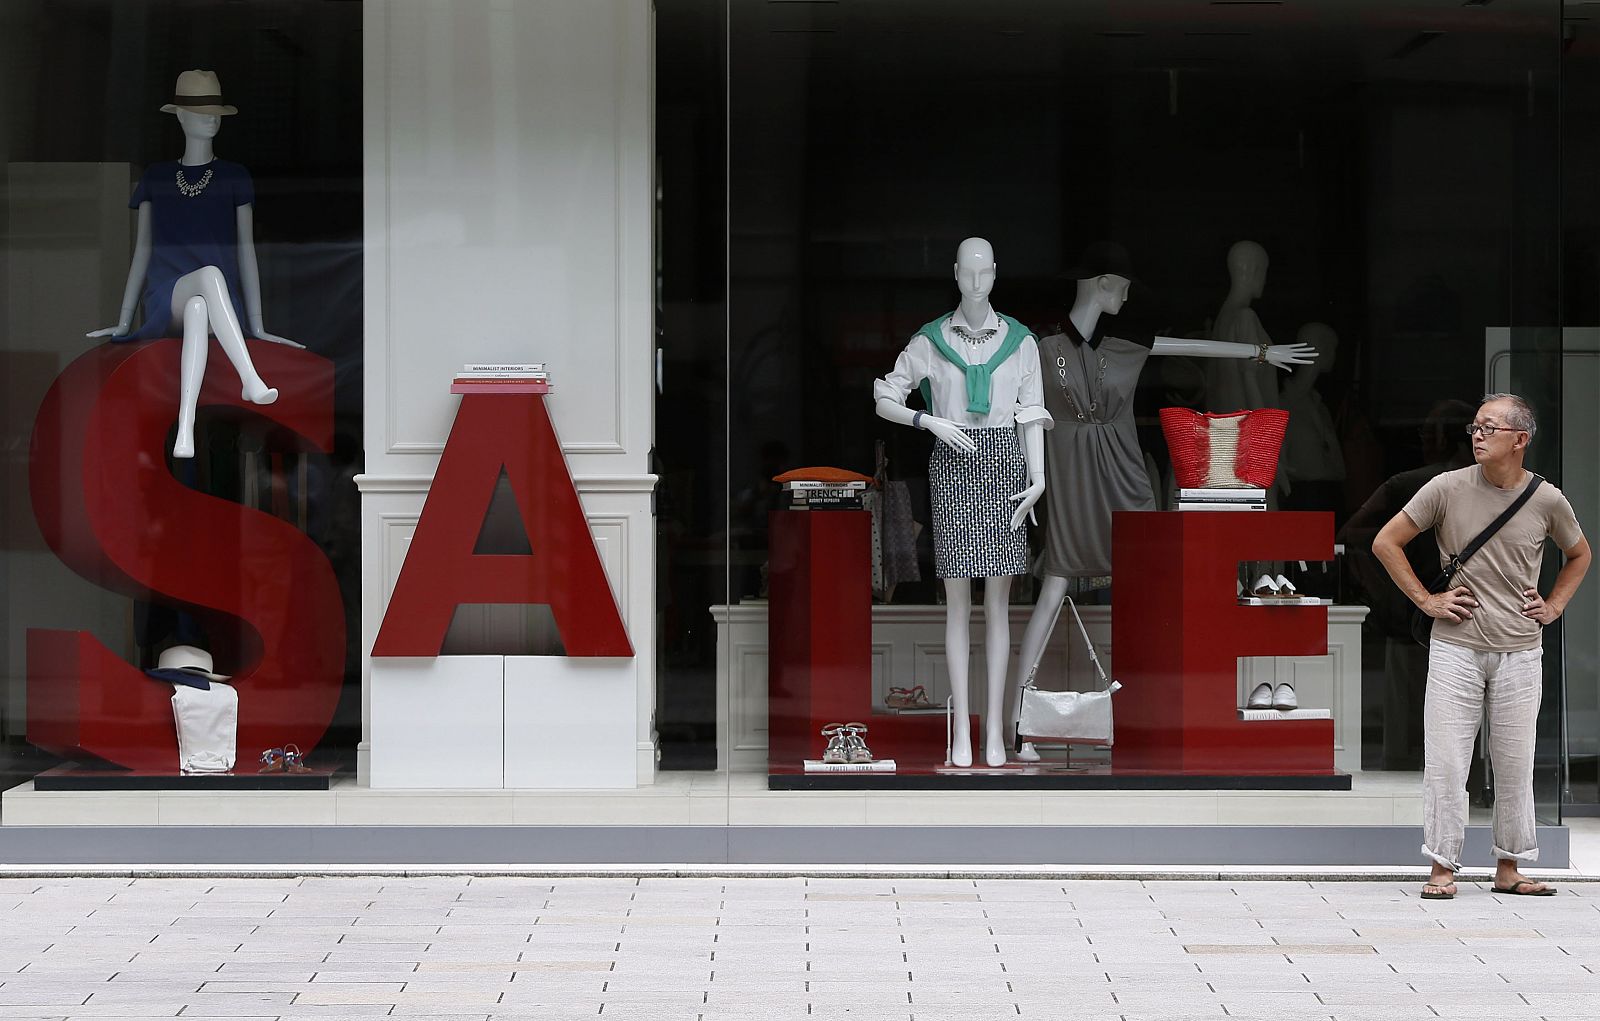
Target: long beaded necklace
{"x":1097,"y":388}
{"x":188,"y":190}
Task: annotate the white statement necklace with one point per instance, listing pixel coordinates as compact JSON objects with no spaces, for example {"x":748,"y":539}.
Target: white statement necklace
{"x":191,"y":190}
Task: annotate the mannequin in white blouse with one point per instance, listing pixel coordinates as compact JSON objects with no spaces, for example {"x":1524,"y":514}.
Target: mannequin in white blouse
{"x":1105,"y":295}
{"x":975,"y":275}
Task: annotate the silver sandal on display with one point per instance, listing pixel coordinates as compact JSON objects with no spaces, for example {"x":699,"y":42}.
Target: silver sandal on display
{"x":859,"y":752}
{"x":838,"y":750}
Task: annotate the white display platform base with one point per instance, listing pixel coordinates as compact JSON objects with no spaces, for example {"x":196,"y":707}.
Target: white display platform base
{"x":438,"y":723}
{"x":570,"y":723}
{"x":497,"y":722}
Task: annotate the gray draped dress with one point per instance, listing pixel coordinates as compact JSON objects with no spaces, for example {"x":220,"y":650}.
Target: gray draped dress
{"x":1093,"y":464}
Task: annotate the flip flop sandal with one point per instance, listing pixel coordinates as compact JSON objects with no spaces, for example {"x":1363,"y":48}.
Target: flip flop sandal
{"x":1286,"y":589}
{"x":1265,"y":588}
{"x":1441,"y":895}
{"x":272,"y":761}
{"x":1516,"y":889}
{"x":293,"y":760}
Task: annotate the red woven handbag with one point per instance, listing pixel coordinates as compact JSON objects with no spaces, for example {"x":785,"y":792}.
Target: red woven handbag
{"x":1221,"y":451}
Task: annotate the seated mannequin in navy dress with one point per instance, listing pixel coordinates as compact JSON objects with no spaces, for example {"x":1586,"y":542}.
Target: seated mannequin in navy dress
{"x":194,"y":256}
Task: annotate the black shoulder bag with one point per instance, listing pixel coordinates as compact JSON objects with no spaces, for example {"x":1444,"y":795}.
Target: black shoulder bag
{"x":1421,"y":623}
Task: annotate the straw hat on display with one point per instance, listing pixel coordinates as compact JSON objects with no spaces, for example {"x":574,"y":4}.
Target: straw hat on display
{"x":198,"y":92}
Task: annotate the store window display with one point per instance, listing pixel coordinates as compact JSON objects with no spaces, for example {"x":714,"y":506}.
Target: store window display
{"x":980,"y":377}
{"x":1093,"y":462}
{"x":194,"y":254}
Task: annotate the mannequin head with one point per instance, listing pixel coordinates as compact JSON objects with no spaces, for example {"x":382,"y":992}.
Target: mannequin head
{"x":1107,"y":292}
{"x":1247,"y":268}
{"x":198,"y":125}
{"x":975,"y":269}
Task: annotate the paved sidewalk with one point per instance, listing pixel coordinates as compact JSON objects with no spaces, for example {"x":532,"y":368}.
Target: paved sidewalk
{"x":718,"y":949}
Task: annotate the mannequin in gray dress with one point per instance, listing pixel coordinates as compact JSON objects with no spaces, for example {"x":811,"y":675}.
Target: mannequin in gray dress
{"x":1093,"y":462}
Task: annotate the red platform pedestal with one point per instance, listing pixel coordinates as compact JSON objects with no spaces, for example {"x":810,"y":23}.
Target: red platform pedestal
{"x":1178,"y":631}
{"x":819,"y":644}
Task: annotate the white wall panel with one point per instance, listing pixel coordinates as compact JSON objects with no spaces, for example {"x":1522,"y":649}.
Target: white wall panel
{"x":507,"y":191}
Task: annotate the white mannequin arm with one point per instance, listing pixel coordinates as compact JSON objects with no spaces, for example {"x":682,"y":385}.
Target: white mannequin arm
{"x":1033,"y":454}
{"x":250,"y":277}
{"x":1280,"y":355}
{"x":946,"y":430}
{"x":136,"y":271}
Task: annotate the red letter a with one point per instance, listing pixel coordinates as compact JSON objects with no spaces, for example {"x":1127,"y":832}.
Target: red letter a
{"x":441,"y":571}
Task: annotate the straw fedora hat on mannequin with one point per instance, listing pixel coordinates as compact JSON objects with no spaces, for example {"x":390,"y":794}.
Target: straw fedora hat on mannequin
{"x":190,"y":660}
{"x":198,"y":92}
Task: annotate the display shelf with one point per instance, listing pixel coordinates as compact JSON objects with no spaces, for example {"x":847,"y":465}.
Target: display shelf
{"x":1280,"y":601}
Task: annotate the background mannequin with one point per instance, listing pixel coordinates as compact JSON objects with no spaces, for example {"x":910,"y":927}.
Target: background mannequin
{"x":1311,"y":457}
{"x":1094,"y":465}
{"x":990,"y":456}
{"x":1234,"y":385}
{"x":195,"y":252}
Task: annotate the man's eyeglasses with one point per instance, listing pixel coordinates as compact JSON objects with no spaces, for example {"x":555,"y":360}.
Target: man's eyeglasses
{"x":1488,"y":430}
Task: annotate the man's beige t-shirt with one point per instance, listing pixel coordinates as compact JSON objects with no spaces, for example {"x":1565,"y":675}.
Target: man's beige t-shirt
{"x":1458,"y":505}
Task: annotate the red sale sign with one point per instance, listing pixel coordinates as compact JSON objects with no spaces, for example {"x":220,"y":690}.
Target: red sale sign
{"x":494,"y":433}
{"x":113,"y":512}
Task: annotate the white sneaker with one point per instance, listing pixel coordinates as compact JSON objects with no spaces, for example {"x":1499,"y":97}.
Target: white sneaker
{"x":1261,"y":697}
{"x":1284,"y":698}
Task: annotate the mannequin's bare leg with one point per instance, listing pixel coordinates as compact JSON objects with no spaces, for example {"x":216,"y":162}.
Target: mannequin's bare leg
{"x":957,"y":649}
{"x":207,"y":282}
{"x":1051,"y":592}
{"x":192,"y":371}
{"x":997,"y":656}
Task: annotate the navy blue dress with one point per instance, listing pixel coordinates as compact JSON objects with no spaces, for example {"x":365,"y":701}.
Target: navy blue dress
{"x":187,"y":233}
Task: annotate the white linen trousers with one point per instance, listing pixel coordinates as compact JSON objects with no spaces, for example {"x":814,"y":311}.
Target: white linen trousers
{"x":1460,"y":682}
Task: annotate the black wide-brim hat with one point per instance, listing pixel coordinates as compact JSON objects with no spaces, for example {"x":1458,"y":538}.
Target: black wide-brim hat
{"x":1103,"y":258}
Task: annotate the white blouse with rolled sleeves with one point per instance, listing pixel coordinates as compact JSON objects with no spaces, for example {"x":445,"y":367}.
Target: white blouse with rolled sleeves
{"x":1016,"y":395}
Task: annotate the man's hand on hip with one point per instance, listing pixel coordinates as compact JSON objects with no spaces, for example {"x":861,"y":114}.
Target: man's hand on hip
{"x":1535,"y":608}
{"x":1456,"y":605}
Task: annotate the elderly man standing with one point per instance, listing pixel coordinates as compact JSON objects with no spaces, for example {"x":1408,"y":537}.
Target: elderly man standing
{"x":1486,"y":636}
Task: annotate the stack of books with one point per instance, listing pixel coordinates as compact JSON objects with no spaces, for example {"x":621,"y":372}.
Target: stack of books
{"x":825,"y":495}
{"x":1222,"y":499}
{"x":1268,"y":715}
{"x":506,"y":378}
{"x":875,"y":766}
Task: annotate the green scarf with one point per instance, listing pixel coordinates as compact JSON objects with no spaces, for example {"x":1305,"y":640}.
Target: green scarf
{"x":979,"y":377}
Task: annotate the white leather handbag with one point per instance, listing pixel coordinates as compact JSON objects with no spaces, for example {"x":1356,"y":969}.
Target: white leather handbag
{"x":1066,"y":717}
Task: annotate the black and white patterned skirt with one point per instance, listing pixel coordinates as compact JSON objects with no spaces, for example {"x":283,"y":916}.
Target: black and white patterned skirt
{"x":972,"y":507}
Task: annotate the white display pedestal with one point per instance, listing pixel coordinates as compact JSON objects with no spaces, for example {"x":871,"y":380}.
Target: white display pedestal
{"x":504,"y":722}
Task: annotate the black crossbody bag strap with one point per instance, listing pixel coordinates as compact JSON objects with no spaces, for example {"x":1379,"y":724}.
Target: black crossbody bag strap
{"x":1443,"y":581}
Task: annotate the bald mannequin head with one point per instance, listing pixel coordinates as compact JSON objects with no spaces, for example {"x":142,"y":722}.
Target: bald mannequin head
{"x":975,"y":269}
{"x":1247,"y":267}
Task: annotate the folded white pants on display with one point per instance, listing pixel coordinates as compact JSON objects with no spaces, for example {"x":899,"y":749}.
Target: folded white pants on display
{"x":208,"y":727}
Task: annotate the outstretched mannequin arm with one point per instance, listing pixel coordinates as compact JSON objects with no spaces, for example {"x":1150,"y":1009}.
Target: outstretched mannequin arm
{"x":250,"y":278}
{"x":1281,"y":355}
{"x":136,"y":271}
